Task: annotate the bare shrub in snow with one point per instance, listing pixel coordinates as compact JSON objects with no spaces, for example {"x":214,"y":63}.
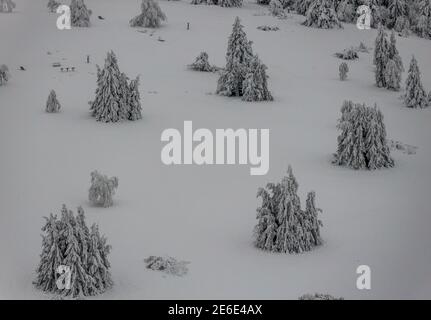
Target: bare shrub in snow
{"x":151,"y":15}
{"x":415,"y":95}
{"x":168,"y":265}
{"x":319,"y":296}
{"x":343,"y":69}
{"x":79,"y":14}
{"x":102,"y":189}
{"x":255,"y":86}
{"x":69,"y":242}
{"x":321,"y":14}
{"x":362,"y":142}
{"x":52,"y":104}
{"x":7,"y":5}
{"x":347,"y":54}
{"x":4,"y":74}
{"x":201,"y":63}
{"x":53,"y":5}
{"x":282,"y":225}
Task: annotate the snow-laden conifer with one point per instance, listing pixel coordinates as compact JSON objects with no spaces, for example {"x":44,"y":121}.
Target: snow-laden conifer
{"x":201,"y":63}
{"x":343,"y":69}
{"x":321,"y":14}
{"x":151,"y":15}
{"x":52,"y":104}
{"x":4,"y":74}
{"x":301,"y":6}
{"x":393,"y":52}
{"x":238,"y":57}
{"x":397,"y":10}
{"x":255,"y":86}
{"x":392,"y":75}
{"x":381,"y":57}
{"x":423,"y":25}
{"x":346,"y":11}
{"x":134,"y":101}
{"x":102,"y":189}
{"x":79,"y":14}
{"x":415,"y":95}
{"x":276,"y":9}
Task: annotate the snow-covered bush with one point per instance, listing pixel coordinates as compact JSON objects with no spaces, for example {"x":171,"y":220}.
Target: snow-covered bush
{"x":238,"y":57}
{"x":347,"y":54}
{"x":319,"y":296}
{"x":52,"y":104}
{"x":102,"y":189}
{"x":415,"y":95}
{"x":342,"y":71}
{"x":79,"y":14}
{"x":381,"y":57}
{"x":201,"y":63}
{"x":362,"y":142}
{"x":276,"y":9}
{"x":151,"y":15}
{"x":134,"y":101}
{"x":53,"y":5}
{"x":167,"y":265}
{"x":230,"y":3}
{"x":4,"y":74}
{"x":7,"y":5}
{"x":321,"y":14}
{"x":255,"y":86}
{"x":282,"y":225}
{"x":69,"y":242}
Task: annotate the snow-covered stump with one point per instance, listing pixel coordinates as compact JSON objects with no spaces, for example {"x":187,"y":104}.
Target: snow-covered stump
{"x":79,"y":14}
{"x":102,"y":189}
{"x":415,"y":95}
{"x":201,"y":63}
{"x":7,"y":6}
{"x":282,"y":225}
{"x":362,"y":143}
{"x":52,"y":104}
{"x":69,"y":242}
{"x":321,"y":14}
{"x":343,"y":69}
{"x":151,"y":15}
{"x":4,"y":74}
{"x":255,"y":85}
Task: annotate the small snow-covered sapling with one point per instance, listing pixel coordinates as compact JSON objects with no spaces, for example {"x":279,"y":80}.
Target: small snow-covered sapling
{"x":52,"y":104}
{"x":102,"y":189}
{"x":343,"y":69}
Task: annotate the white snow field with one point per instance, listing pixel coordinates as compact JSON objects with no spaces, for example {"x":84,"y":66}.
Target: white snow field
{"x":206,"y":214}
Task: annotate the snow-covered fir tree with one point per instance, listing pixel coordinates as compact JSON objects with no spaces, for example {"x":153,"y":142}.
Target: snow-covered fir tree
{"x":346,"y":11}
{"x":102,"y":189}
{"x":53,"y":5}
{"x":362,"y":142}
{"x":423,"y":25}
{"x":151,"y":15}
{"x":238,"y":57}
{"x":397,"y":12}
{"x":52,"y":104}
{"x":276,"y":9}
{"x":4,"y":74}
{"x":415,"y":95}
{"x":111,"y":102}
{"x":134,"y":101}
{"x":393,"y":52}
{"x":230,"y":3}
{"x":301,"y":6}
{"x":392,"y":75}
{"x":255,"y":86}
{"x":282,"y":225}
{"x":343,"y":69}
{"x":381,"y":57}
{"x":79,"y":14}
{"x":201,"y":63}
{"x":7,"y":5}
{"x":376,"y":12}
{"x":321,"y":14}
{"x":68,"y":242}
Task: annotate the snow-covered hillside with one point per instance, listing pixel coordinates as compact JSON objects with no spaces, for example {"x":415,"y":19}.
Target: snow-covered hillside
{"x":205,"y":214}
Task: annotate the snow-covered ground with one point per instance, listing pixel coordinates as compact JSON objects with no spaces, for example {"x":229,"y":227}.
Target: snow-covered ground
{"x":205,"y":214}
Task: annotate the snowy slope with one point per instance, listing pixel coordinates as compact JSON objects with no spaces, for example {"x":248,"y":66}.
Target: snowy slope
{"x":205,"y":215}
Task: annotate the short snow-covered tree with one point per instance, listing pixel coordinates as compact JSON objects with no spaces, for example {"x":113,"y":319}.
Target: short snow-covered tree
{"x":134,"y":101}
{"x":415,"y":95}
{"x":7,"y":5}
{"x":381,"y":57}
{"x":362,"y":143}
{"x":53,"y":5}
{"x":343,"y":69}
{"x":238,"y":57}
{"x":201,"y":63}
{"x":69,"y":242}
{"x":230,"y":3}
{"x":282,"y":225}
{"x":321,"y":14}
{"x":52,"y":104}
{"x":392,"y":75}
{"x":102,"y":189}
{"x":79,"y":14}
{"x":151,"y":15}
{"x":255,"y":86}
{"x":4,"y":74}
{"x":276,"y":9}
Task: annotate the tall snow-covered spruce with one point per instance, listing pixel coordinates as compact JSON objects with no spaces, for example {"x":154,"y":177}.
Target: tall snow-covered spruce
{"x":151,"y":15}
{"x":362,"y":142}
{"x":255,"y":85}
{"x":68,"y":242}
{"x":238,"y":57}
{"x":282,"y":225}
{"x":321,"y":14}
{"x":52,"y":104}
{"x":381,"y":57}
{"x":79,"y":14}
{"x":4,"y":74}
{"x":415,"y":95}
{"x":423,"y":25}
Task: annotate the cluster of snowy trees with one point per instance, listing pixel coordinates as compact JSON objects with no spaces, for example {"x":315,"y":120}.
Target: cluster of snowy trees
{"x":282,"y":225}
{"x":52,"y":104}
{"x":102,"y":189}
{"x":79,"y":14}
{"x":116,"y":98}
{"x":151,"y":15}
{"x":388,"y":62}
{"x":4,"y":74}
{"x":415,"y":96}
{"x":202,"y":64}
{"x":7,"y":5}
{"x":362,"y":142}
{"x":67,"y":241}
{"x":244,"y":75}
{"x":221,"y":3}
